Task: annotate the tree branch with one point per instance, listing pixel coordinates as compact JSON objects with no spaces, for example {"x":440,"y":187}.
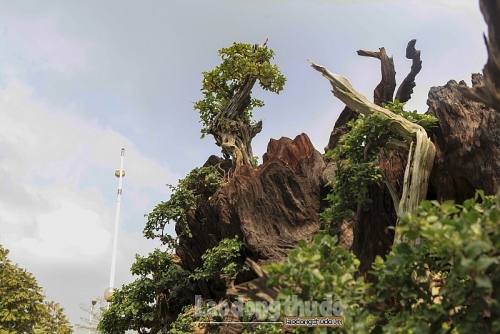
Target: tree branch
{"x":384,"y":92}
{"x":406,"y":88}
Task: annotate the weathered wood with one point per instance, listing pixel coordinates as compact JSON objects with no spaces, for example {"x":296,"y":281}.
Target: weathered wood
{"x":340,"y":128}
{"x":343,"y":90}
{"x":489,"y":93}
{"x":255,"y":267}
{"x":422,"y":150}
{"x":467,"y":141}
{"x":384,"y":92}
{"x":270,"y":208}
{"x":406,"y":88}
{"x":236,"y":143}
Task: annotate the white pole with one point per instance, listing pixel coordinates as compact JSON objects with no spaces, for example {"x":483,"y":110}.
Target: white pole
{"x":117,"y":221}
{"x":91,"y":310}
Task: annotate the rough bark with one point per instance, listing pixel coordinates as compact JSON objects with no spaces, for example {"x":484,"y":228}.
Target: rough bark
{"x":385,"y":90}
{"x":467,"y":143}
{"x":233,"y":134}
{"x":489,"y":92}
{"x":270,"y":208}
{"x":340,"y":128}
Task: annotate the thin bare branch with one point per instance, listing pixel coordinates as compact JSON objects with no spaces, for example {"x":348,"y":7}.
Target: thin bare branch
{"x":406,"y":88}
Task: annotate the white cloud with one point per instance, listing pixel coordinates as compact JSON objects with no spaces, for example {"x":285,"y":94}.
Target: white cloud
{"x":41,"y":41}
{"x":69,"y":231}
{"x":40,"y":145}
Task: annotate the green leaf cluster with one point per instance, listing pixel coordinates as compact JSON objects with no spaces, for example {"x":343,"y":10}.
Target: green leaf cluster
{"x":200,"y":181}
{"x":240,"y":63}
{"x":184,"y":322}
{"x":356,"y":160}
{"x":317,"y":270}
{"x":447,"y":283}
{"x":23,"y":308}
{"x":136,"y":305}
{"x":217,"y":262}
{"x":220,"y":260}
{"x":460,"y":254}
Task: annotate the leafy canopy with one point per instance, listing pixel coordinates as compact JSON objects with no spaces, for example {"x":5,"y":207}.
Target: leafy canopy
{"x":142,"y":304}
{"x":23,"y":308}
{"x":134,"y":306}
{"x":320,"y":270}
{"x":240,"y":62}
{"x":460,"y":254}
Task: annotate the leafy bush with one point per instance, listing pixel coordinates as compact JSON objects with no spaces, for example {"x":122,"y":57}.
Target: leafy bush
{"x":356,"y":160}
{"x":136,"y":305}
{"x":321,"y":270}
{"x":239,"y":63}
{"x":219,"y":261}
{"x":448,"y":283}
{"x":23,"y":307}
{"x":184,"y":322}
{"x":204,"y":180}
{"x":451,"y":280}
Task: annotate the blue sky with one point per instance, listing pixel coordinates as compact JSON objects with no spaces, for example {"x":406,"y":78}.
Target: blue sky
{"x":81,"y":79}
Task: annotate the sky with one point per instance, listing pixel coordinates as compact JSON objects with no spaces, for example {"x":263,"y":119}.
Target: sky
{"x":79,"y":80}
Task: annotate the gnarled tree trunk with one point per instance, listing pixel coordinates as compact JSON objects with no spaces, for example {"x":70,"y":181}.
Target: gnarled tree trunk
{"x":230,"y":130}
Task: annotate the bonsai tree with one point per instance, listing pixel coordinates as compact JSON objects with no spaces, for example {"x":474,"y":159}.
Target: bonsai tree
{"x":226,"y":110}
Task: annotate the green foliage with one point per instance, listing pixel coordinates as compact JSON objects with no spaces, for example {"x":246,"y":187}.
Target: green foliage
{"x":447,"y":283}
{"x":424,"y":120}
{"x":219,"y":260}
{"x":266,"y":329}
{"x":22,"y":305}
{"x":240,"y":62}
{"x":136,"y":305}
{"x":356,"y":160}
{"x":460,"y":252}
{"x":184,"y":322}
{"x":53,"y":320}
{"x":255,"y":160}
{"x":204,"y":180}
{"x":318,"y":270}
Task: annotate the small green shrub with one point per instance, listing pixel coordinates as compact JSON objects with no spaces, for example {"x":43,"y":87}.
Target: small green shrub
{"x":204,"y":180}
{"x":135,"y":306}
{"x":356,"y":160}
{"x":219,"y":261}
{"x":320,"y":271}
{"x":184,"y":322}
